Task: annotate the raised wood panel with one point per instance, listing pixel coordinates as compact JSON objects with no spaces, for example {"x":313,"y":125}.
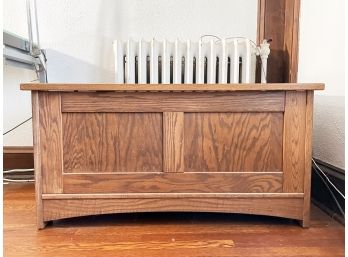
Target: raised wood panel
{"x":173,"y":102}
{"x":58,"y":209}
{"x":174,"y":183}
{"x":294,"y":141}
{"x":50,"y":141}
{"x":233,"y":142}
{"x":112,"y":142}
{"x":173,"y":141}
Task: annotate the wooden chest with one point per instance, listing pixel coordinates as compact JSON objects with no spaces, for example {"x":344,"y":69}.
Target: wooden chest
{"x":107,"y":148}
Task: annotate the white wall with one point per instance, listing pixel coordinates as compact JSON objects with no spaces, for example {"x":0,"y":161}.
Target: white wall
{"x":78,"y":35}
{"x":322,"y":59}
{"x":17,"y":106}
{"x":16,"y":103}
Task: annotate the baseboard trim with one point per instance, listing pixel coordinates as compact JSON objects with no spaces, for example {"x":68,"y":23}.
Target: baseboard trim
{"x":328,"y":211}
{"x":18,"y":157}
{"x":321,"y":195}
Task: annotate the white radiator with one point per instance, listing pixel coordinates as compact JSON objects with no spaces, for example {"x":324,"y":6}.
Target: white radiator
{"x":223,"y":61}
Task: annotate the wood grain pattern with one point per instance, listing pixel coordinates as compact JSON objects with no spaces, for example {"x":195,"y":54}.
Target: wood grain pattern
{"x":224,"y":151}
{"x":279,"y":20}
{"x":291,"y":31}
{"x":294,"y":141}
{"x":173,"y":87}
{"x":308,"y":160}
{"x":18,"y":149}
{"x":50,"y":142}
{"x":173,"y":102}
{"x":173,"y":141}
{"x":18,"y":157}
{"x":174,"y":183}
{"x":274,"y":26}
{"x":233,"y":142}
{"x":37,"y":159}
{"x":171,"y":195}
{"x":261,"y":21}
{"x":112,"y":142}
{"x":58,"y":209}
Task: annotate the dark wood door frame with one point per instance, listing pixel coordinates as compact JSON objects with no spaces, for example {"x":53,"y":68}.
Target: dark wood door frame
{"x":279,"y":20}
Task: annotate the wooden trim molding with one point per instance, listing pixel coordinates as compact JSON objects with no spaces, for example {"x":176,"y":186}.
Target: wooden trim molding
{"x":279,"y":20}
{"x":170,"y":195}
{"x":18,"y":149}
{"x":261,"y":21}
{"x":278,"y":207}
{"x":174,"y":102}
{"x":18,"y":157}
{"x":37,"y":159}
{"x":291,"y":30}
{"x":186,"y":182}
{"x":131,"y":88}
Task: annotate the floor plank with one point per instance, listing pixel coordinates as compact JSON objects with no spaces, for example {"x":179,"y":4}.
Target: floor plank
{"x":164,"y":234}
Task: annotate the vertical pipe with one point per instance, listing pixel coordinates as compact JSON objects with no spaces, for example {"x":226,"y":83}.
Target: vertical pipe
{"x":188,"y":63}
{"x":211,"y":62}
{"x":200,"y":62}
{"x":36,"y":26}
{"x":154,"y":54}
{"x":30,"y":28}
{"x":166,"y":63}
{"x":246,"y":61}
{"x":118,"y":55}
{"x":264,"y":52}
{"x":235,"y":62}
{"x":223,"y":62}
{"x":177,"y":62}
{"x":142,"y":62}
{"x":130,"y":62}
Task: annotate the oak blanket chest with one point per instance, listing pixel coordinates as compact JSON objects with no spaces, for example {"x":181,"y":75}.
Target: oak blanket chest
{"x":108,"y":148}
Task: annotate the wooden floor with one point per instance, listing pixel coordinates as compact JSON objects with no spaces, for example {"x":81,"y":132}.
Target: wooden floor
{"x":164,"y":234}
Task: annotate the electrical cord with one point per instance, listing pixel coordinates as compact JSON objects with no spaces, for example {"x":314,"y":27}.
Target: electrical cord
{"x":18,"y":180}
{"x":17,"y":170}
{"x":210,"y":35}
{"x":7,"y":181}
{"x":255,"y":45}
{"x":338,"y":191}
{"x":20,"y":124}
